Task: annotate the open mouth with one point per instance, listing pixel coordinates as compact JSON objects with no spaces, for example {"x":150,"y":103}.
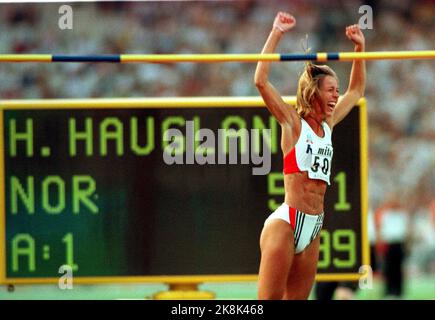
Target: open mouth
{"x":332,"y":104}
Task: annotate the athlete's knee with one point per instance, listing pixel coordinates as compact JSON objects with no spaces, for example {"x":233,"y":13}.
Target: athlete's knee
{"x":275,"y":294}
{"x":301,"y":292}
{"x":295,"y":296}
{"x":271,"y":287}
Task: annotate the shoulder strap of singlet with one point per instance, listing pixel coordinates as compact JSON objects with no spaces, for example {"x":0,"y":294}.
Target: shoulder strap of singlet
{"x":326,"y":128}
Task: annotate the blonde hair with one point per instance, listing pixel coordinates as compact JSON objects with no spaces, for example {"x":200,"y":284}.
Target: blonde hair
{"x":308,"y":86}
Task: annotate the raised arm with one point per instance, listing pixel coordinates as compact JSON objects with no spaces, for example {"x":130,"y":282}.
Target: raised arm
{"x":284,"y":113}
{"x":357,"y":81}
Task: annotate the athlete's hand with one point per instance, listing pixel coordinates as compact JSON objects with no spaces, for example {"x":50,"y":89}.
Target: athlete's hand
{"x":355,"y":34}
{"x":284,"y":22}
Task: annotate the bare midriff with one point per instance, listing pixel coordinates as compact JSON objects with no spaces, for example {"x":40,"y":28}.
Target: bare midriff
{"x":304,"y":194}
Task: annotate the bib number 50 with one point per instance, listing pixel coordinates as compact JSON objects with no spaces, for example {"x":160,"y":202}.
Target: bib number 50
{"x":317,"y":162}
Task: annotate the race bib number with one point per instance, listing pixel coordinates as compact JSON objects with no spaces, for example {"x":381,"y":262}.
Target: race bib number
{"x":320,"y":167}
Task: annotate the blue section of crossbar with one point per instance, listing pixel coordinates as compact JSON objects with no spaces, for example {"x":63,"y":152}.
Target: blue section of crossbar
{"x":333,"y":56}
{"x":298,"y":56}
{"x":90,"y":58}
{"x":308,"y":56}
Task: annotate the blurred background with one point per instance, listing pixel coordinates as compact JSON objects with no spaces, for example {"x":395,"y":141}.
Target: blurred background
{"x":400,"y":94}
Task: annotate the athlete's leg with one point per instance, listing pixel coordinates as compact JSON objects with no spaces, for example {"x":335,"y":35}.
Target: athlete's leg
{"x":277,"y":250}
{"x":302,"y":272}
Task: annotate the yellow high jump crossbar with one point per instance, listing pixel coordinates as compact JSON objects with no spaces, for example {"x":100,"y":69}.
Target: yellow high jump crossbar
{"x":205,"y":58}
